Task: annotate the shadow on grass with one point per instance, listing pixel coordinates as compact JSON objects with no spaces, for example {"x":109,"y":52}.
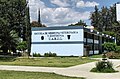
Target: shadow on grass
{"x":7,"y":59}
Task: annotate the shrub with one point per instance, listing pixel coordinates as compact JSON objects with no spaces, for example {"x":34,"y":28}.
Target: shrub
{"x":22,"y":46}
{"x":105,"y":67}
{"x":117,"y":49}
{"x":36,"y":55}
{"x":50,"y":54}
{"x":54,"y":54}
{"x":109,"y":46}
{"x":46,"y":55}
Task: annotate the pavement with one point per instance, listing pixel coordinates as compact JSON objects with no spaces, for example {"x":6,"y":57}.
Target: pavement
{"x":74,"y":71}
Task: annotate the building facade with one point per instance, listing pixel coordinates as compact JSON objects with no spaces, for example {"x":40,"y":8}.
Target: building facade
{"x":68,"y":41}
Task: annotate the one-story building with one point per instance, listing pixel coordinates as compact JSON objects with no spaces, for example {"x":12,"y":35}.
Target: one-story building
{"x":68,"y":40}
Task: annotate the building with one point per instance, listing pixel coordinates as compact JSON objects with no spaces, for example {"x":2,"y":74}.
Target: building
{"x":68,"y":40}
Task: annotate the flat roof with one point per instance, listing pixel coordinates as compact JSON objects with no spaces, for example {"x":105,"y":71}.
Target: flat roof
{"x":71,"y":27}
{"x":56,"y":28}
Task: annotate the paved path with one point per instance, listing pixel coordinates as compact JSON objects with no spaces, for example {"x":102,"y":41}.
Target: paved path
{"x":76,"y":71}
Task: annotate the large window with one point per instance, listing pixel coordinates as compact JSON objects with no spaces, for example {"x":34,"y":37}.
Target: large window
{"x":96,"y":39}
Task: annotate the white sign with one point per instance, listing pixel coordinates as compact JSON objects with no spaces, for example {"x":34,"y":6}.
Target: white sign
{"x":118,"y":12}
{"x":57,"y":35}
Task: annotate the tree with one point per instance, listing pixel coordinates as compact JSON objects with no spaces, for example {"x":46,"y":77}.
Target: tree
{"x":28,"y":31}
{"x":37,"y":24}
{"x":80,"y":23}
{"x":96,"y":19}
{"x":109,"y":46}
{"x":105,"y":20}
{"x":12,"y":21}
{"x":22,"y":46}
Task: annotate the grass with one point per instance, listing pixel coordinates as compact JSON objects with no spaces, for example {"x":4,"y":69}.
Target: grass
{"x":45,"y":62}
{"x":96,"y":56}
{"x":32,"y":75}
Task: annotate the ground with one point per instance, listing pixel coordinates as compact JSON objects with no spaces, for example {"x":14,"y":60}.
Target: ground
{"x":74,"y":71}
{"x":45,"y":61}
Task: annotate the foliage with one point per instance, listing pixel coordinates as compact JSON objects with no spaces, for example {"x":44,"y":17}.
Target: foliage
{"x":32,"y":75}
{"x":117,"y":49}
{"x":22,"y":46}
{"x":36,"y":55}
{"x":13,"y":20}
{"x":109,"y":46}
{"x":104,"y":19}
{"x":9,"y":41}
{"x":104,"y":67}
{"x":110,"y":33}
{"x":95,"y":19}
{"x":80,"y":23}
{"x":50,"y":54}
{"x":37,"y":24}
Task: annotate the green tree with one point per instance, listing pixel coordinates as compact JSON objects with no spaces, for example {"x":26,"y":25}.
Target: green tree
{"x":22,"y":46}
{"x":12,"y":21}
{"x":37,"y":24}
{"x":80,"y":23}
{"x":105,"y":20}
{"x":109,"y":46}
{"x":28,"y":31}
{"x":96,"y":19}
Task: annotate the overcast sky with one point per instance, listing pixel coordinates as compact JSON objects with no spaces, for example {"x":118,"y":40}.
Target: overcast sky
{"x":65,"y":12}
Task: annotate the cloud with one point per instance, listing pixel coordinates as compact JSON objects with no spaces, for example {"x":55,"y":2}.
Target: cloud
{"x":62,"y":16}
{"x":34,"y":6}
{"x":37,"y":3}
{"x":86,"y":4}
{"x":60,"y":3}
{"x":59,"y":16}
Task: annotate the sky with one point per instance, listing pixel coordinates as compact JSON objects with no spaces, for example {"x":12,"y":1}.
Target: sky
{"x":65,"y":12}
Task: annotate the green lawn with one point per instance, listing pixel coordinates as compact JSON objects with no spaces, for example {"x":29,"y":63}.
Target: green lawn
{"x":46,"y":62}
{"x":32,"y":75}
{"x":96,"y":56}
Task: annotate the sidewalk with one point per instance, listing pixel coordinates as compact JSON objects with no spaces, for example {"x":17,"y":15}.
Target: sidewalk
{"x":76,"y":71}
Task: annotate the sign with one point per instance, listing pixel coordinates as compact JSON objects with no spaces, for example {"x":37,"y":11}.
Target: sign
{"x":57,"y":35}
{"x":118,"y":12}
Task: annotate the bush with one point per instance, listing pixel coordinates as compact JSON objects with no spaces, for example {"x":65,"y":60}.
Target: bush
{"x":54,"y":54}
{"x":36,"y":55}
{"x":46,"y":55}
{"x":104,"y":67}
{"x":109,"y":46}
{"x":117,"y":49}
{"x":50,"y":54}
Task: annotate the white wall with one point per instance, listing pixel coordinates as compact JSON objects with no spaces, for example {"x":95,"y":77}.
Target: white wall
{"x":60,"y":49}
{"x":62,"y":45}
{"x":118,"y":12}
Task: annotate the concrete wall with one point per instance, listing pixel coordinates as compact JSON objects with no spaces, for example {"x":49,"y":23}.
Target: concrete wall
{"x":64,"y":41}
